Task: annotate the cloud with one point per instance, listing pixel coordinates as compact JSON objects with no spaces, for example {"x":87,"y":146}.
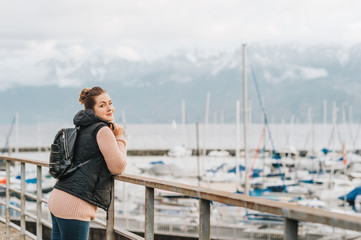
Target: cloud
{"x":181,"y":78}
{"x":166,"y":25}
{"x":124,"y":52}
{"x":20,"y":67}
{"x":69,"y":82}
{"x":75,"y":52}
{"x":51,"y":62}
{"x":73,"y":32}
{"x":309,"y":73}
{"x":294,"y":73}
{"x":98,"y":72}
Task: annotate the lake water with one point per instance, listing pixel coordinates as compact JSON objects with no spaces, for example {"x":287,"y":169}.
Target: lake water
{"x":216,"y":136}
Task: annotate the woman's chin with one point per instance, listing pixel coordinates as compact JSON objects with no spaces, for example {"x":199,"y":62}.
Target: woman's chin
{"x":108,"y":119}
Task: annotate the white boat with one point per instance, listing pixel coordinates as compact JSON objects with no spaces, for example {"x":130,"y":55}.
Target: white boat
{"x":179,"y":151}
{"x":218,"y":153}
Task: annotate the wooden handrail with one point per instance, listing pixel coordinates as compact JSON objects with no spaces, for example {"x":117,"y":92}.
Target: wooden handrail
{"x":291,"y":212}
{"x":24,"y":160}
{"x":287,"y":210}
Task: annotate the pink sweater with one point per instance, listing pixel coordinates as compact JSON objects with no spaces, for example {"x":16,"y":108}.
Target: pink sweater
{"x":67,"y":206}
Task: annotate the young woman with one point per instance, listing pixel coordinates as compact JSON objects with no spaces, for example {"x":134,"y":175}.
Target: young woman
{"x":75,"y":199}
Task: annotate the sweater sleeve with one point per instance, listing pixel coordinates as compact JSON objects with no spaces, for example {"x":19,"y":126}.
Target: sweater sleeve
{"x":113,"y":150}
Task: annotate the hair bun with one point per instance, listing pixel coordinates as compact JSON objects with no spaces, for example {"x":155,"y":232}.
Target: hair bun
{"x":88,"y":96}
{"x":84,"y":94}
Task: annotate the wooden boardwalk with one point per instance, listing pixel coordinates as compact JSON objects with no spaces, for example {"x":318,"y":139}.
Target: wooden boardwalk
{"x":14,"y":234}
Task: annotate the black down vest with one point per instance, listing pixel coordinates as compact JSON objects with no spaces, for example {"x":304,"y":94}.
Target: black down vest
{"x":91,"y":182}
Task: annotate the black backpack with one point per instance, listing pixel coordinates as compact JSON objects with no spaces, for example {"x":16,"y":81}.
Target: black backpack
{"x":61,"y":153}
{"x":61,"y":163}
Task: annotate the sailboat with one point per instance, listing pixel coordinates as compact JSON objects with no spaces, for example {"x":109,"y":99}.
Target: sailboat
{"x":181,"y":150}
{"x":7,"y":148}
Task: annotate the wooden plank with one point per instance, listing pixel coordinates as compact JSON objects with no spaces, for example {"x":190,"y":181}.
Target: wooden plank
{"x":7,"y":214}
{"x":109,"y":228}
{"x":127,"y":234}
{"x":149,"y":214}
{"x":39,"y":195}
{"x":291,"y":229}
{"x":120,"y":231}
{"x":23,"y":160}
{"x":22,"y":202}
{"x":204,"y":219}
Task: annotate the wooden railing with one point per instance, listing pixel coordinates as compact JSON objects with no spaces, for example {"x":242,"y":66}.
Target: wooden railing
{"x":293,"y":214}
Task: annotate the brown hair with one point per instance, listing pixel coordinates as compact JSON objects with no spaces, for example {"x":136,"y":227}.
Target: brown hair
{"x":87,"y":96}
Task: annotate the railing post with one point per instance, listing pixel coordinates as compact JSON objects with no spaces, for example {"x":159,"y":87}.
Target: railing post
{"x":204,"y":219}
{"x":291,"y":229}
{"x":110,"y":217}
{"x":22,"y":203}
{"x":149,"y":213}
{"x":7,"y":199}
{"x":39,"y":212}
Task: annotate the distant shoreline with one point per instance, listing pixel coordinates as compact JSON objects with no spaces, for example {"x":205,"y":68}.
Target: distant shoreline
{"x":151,"y":152}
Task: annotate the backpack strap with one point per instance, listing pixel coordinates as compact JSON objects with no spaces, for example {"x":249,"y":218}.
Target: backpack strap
{"x":96,"y":127}
{"x":70,"y":171}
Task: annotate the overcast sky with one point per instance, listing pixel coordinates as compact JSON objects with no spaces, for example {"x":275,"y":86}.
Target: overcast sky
{"x":31,"y":31}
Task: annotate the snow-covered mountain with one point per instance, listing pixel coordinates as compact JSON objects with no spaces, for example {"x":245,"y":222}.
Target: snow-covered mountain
{"x":291,"y":79}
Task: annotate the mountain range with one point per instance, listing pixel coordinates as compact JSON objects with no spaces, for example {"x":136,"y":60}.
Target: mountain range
{"x":291,"y":78}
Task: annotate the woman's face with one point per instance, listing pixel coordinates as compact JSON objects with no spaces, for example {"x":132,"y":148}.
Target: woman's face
{"x":103,"y":107}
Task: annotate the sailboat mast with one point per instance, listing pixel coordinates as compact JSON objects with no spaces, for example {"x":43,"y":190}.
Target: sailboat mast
{"x":324,"y":129}
{"x":206,"y":123}
{"x":238,"y":113}
{"x":184,"y":124}
{"x":245,"y":115}
{"x":334,"y":122}
{"x":198,"y":155}
{"x":222,"y":131}
{"x":350,"y":115}
{"x":312,"y":132}
{"x":324,"y":112}
{"x":183,"y":112}
{"x":17,"y":133}
{"x":204,"y":154}
{"x":39,"y":135}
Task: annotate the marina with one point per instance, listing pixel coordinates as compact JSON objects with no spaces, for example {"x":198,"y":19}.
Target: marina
{"x":321,"y":172}
{"x":289,"y":178}
{"x":307,"y":165}
{"x":254,"y":226}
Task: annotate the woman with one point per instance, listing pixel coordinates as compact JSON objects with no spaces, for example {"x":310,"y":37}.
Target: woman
{"x":74,"y":200}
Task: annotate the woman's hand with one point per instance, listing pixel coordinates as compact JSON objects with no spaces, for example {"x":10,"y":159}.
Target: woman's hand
{"x":117,"y":129}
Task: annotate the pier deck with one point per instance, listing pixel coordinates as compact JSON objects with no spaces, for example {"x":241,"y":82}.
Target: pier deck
{"x":14,"y":234}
